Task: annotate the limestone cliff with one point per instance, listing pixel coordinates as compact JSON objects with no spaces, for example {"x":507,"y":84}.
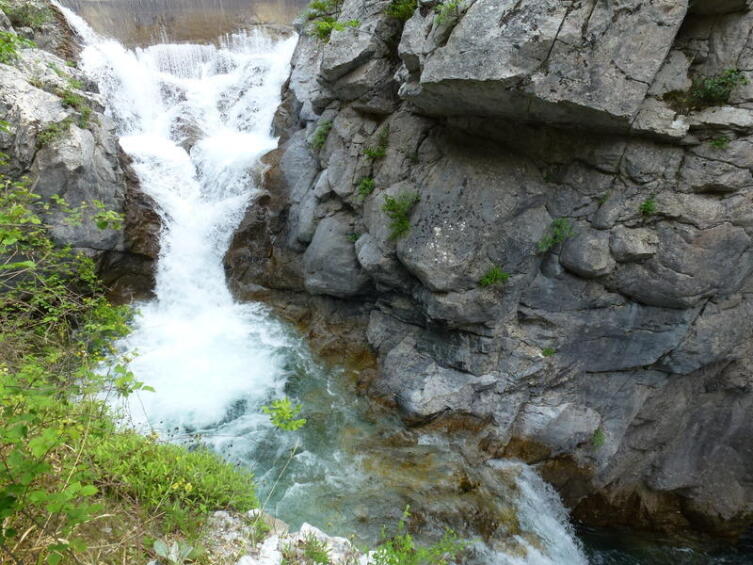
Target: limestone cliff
{"x":594,"y":159}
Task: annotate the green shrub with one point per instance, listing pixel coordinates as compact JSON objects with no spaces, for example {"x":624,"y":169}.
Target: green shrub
{"x":10,"y":44}
{"x":320,"y":134}
{"x":447,"y":11}
{"x":354,"y":237}
{"x":716,"y":90}
{"x":366,"y":186}
{"x":401,"y":9}
{"x":321,"y":8}
{"x":495,"y":275}
{"x":26,"y":14}
{"x":559,"y":231}
{"x":52,"y":132}
{"x":648,"y":207}
{"x":721,"y":142}
{"x":398,"y":210}
{"x":707,"y":91}
{"x":548,"y":351}
{"x":169,"y":478}
{"x":401,"y":549}
{"x":323,"y":27}
{"x":380,"y":149}
{"x":284,"y":414}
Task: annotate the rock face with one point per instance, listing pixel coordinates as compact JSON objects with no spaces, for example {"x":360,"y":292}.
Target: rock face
{"x":59,"y":139}
{"x":574,"y":270}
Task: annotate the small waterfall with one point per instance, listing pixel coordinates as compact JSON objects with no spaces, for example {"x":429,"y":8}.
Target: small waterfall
{"x":195,"y":119}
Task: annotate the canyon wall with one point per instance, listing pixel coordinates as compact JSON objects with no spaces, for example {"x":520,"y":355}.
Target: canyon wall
{"x":574,"y":277}
{"x":59,"y":139}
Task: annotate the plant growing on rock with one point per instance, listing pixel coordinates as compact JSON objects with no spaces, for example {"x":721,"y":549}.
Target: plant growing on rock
{"x":401,"y":9}
{"x":495,"y":275}
{"x":398,"y":210}
{"x":599,"y":438}
{"x":648,"y":207}
{"x":323,"y":27}
{"x":721,"y":142}
{"x":707,"y":91}
{"x":52,"y":132}
{"x":26,"y":14}
{"x":79,"y":103}
{"x":320,"y":134}
{"x":366,"y":186}
{"x":548,"y":351}
{"x":559,"y":231}
{"x":447,"y":11}
{"x":379,"y":150}
{"x":10,"y":45}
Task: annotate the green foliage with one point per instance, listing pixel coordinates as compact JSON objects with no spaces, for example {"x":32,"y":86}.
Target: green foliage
{"x":495,"y":275}
{"x":380,"y":149}
{"x":648,"y":207}
{"x":548,"y":351}
{"x":315,"y":551}
{"x":354,"y":237}
{"x":177,"y":553}
{"x":53,"y":131}
{"x":63,"y":464}
{"x":57,"y":70}
{"x":447,"y":11}
{"x":10,"y":44}
{"x":716,"y":90}
{"x":320,"y":134}
{"x":401,"y":9}
{"x":26,"y":14}
{"x":366,"y":186}
{"x":599,"y":438}
{"x":165,"y":477}
{"x":721,"y":142}
{"x":398,"y":210}
{"x":282,"y":412}
{"x":73,"y":100}
{"x":323,"y":27}
{"x":401,"y":549}
{"x":55,"y":330}
{"x":320,"y":8}
{"x":75,"y":83}
{"x":559,"y":231}
{"x":707,"y":91}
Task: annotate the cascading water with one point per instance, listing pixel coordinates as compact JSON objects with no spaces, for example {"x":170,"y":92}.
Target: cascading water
{"x":195,"y":119}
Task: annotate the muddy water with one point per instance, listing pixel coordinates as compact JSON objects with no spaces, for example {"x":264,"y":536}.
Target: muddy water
{"x":146,"y":22}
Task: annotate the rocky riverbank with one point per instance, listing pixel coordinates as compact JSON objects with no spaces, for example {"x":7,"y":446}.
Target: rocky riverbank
{"x":566,"y":263}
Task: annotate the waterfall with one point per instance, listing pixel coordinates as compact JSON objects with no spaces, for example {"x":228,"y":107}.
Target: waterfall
{"x":195,"y":119}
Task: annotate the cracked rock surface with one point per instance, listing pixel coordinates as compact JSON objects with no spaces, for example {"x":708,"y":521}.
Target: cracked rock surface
{"x":540,"y":137}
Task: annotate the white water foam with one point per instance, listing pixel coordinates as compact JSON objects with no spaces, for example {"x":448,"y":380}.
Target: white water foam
{"x":213,"y":361}
{"x":202,"y":352}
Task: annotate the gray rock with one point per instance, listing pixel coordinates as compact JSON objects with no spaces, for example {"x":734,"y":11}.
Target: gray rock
{"x":633,"y":244}
{"x":587,"y":254}
{"x":329,"y":264}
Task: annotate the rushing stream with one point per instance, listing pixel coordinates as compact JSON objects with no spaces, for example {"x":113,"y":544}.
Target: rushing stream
{"x":195,"y":119}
